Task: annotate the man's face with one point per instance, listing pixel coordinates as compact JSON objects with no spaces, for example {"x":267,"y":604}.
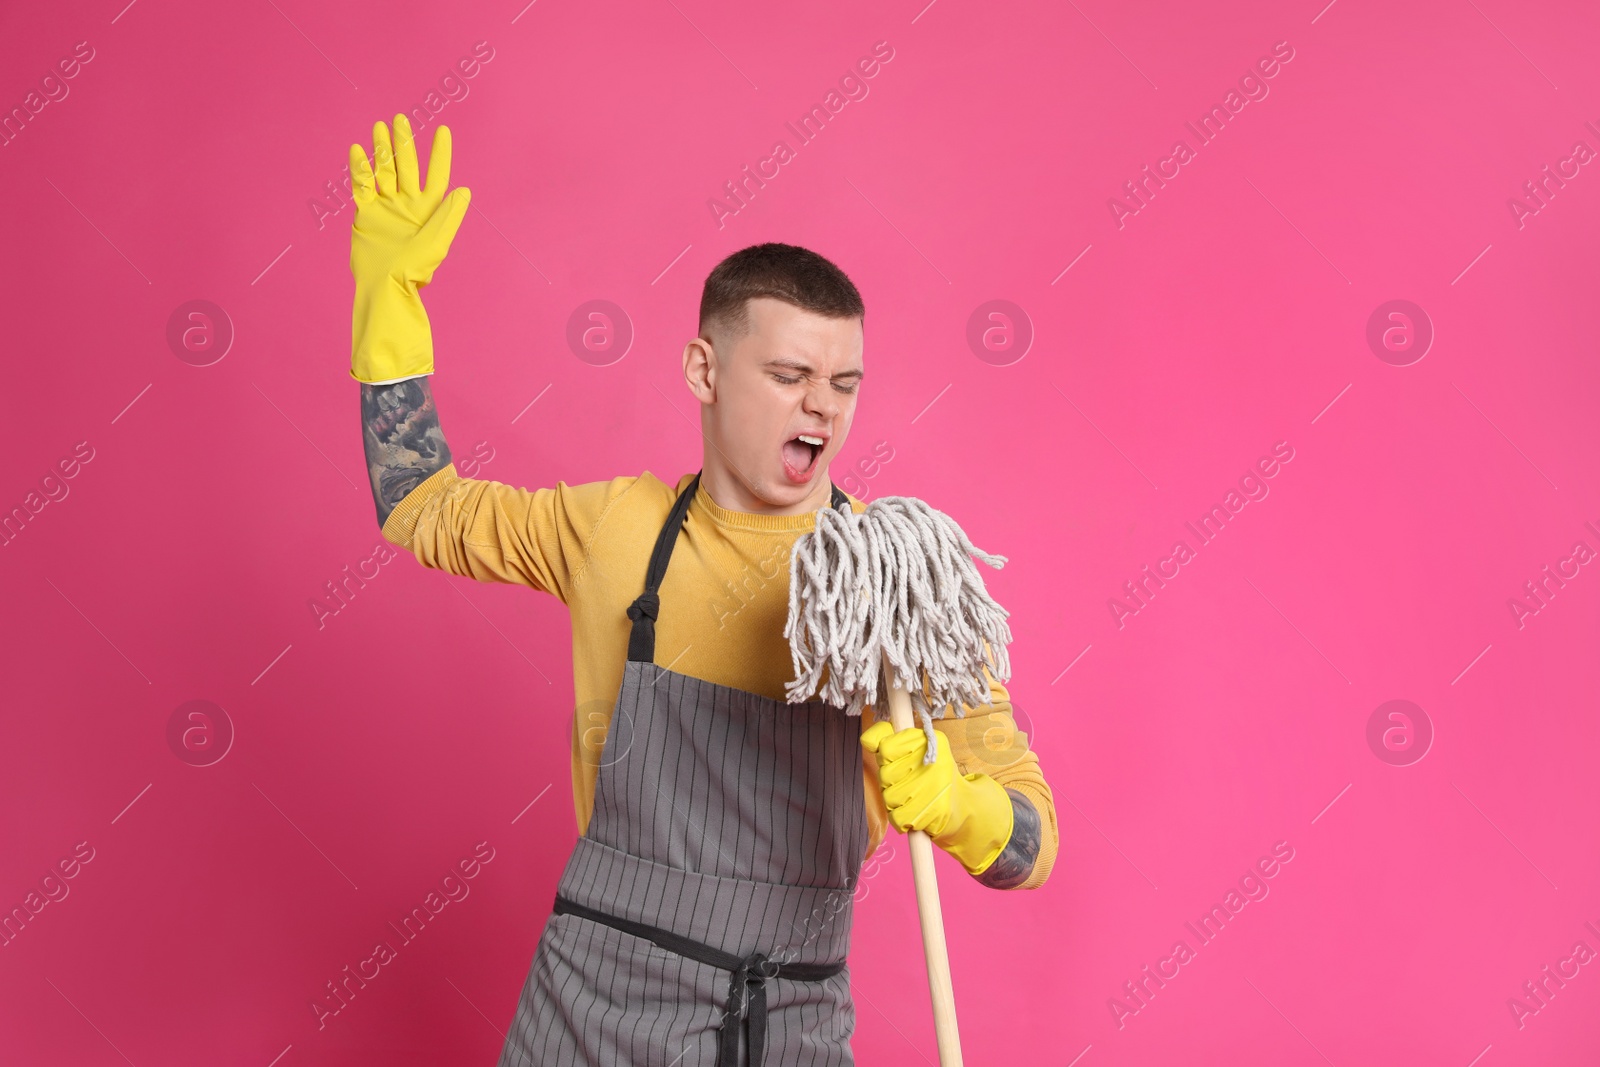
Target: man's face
{"x":777,"y":403}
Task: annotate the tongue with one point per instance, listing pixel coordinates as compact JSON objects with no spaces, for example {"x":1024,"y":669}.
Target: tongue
{"x":798,"y":454}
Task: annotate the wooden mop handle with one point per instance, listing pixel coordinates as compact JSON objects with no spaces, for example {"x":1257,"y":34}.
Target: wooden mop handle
{"x":927,"y":883}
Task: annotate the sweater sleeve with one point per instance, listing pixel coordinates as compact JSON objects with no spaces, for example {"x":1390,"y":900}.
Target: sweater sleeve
{"x":495,"y":532}
{"x":986,"y":741}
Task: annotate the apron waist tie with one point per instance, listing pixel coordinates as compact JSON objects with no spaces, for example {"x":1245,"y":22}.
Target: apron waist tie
{"x":747,"y":995}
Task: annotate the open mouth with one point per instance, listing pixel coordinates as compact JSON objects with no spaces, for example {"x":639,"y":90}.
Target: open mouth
{"x":800,"y":456}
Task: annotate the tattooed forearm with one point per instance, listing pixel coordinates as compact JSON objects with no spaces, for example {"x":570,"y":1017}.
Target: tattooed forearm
{"x":404,"y":444}
{"x":1016,"y":860}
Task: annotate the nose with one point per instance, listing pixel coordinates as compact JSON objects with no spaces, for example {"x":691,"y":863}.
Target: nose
{"x":821,"y":400}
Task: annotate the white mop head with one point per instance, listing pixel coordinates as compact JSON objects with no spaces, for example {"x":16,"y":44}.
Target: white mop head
{"x":899,"y":579}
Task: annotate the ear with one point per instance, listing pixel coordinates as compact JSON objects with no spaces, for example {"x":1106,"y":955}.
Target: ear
{"x":700,"y":369}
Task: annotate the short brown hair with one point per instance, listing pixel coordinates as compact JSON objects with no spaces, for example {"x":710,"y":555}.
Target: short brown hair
{"x":789,"y":273}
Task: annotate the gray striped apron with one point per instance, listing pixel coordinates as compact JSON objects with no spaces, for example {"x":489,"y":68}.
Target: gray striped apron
{"x":708,"y":905}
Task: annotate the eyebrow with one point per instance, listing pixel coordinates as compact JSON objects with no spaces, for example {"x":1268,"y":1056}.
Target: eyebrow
{"x":806,"y":368}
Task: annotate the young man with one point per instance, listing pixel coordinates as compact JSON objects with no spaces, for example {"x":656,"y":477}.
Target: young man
{"x":707,"y":904}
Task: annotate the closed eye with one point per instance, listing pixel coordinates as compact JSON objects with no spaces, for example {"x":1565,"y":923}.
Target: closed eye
{"x":844,"y":387}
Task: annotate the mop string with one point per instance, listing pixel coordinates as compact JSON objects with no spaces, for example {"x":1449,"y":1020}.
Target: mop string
{"x":896,"y":581}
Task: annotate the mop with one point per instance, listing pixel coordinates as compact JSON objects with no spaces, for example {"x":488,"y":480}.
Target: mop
{"x":887,"y":604}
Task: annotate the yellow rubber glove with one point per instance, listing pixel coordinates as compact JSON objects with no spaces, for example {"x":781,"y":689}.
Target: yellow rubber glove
{"x":969,"y":816}
{"x":398,"y":239}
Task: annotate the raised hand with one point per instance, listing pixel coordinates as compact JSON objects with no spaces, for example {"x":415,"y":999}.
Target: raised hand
{"x":401,"y":233}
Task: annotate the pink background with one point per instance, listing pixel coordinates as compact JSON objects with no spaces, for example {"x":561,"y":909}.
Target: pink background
{"x":1227,"y":315}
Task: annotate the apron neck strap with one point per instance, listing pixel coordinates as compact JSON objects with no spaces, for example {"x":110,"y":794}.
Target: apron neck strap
{"x":647,"y":606}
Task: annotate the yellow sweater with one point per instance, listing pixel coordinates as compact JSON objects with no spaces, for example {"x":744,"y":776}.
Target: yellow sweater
{"x":724,"y":604}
